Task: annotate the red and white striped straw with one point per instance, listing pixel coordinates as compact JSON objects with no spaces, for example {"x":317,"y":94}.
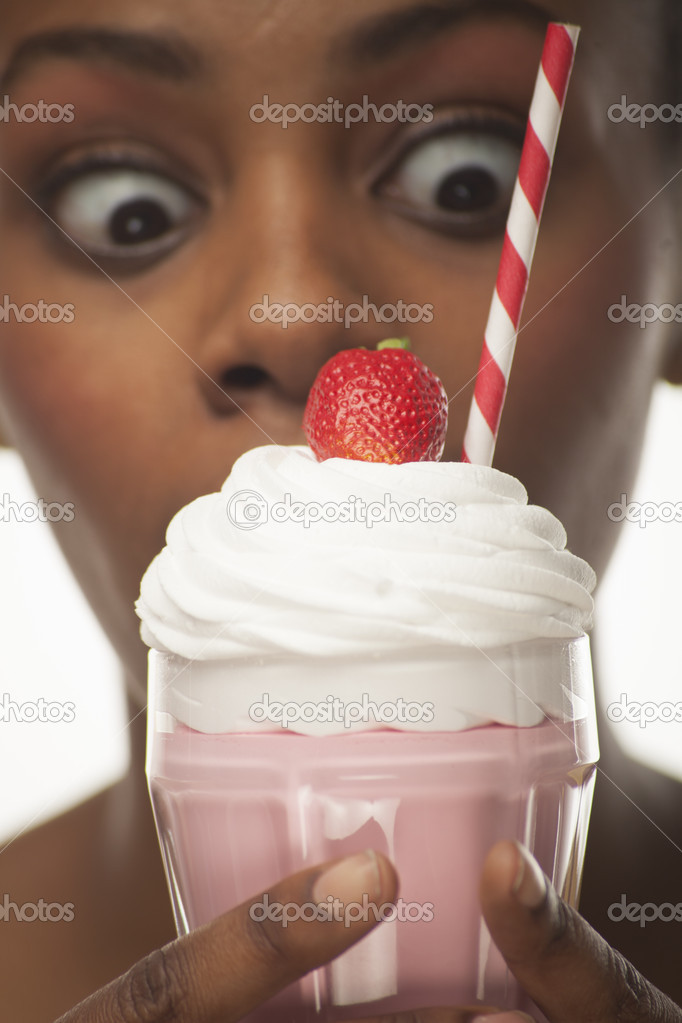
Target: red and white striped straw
{"x":521,"y":235}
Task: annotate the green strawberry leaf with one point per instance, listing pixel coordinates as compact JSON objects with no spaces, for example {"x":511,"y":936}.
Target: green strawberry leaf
{"x":394,"y":342}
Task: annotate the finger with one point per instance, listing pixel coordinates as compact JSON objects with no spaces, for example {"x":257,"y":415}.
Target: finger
{"x":561,"y":962}
{"x":220,"y":972}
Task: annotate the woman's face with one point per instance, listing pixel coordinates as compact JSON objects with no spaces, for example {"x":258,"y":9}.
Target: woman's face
{"x":189,"y":212}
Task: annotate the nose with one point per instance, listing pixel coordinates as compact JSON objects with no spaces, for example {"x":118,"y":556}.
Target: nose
{"x":287,"y":287}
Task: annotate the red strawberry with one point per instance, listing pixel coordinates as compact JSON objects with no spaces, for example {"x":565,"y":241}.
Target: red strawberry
{"x":382,"y":406}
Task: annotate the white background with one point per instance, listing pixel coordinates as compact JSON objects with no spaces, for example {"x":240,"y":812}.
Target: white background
{"x":52,"y":647}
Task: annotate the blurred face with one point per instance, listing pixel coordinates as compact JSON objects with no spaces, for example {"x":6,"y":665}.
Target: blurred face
{"x":189,"y":204}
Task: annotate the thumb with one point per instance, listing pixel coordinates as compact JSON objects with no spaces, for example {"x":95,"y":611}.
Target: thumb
{"x":568,"y":970}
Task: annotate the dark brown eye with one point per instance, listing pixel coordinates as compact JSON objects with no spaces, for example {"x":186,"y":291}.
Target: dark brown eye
{"x":468,"y":190}
{"x":142,"y":220}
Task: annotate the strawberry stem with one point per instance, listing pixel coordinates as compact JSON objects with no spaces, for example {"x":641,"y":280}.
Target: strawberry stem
{"x":394,"y":342}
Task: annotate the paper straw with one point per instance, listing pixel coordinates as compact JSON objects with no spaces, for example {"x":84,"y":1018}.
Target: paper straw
{"x":521,"y":235}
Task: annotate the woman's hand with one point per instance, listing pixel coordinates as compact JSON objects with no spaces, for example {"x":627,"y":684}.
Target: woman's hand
{"x":221,"y":972}
{"x":563,"y":964}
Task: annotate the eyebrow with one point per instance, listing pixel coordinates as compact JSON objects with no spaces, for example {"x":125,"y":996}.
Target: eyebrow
{"x":389,"y":34}
{"x":170,"y":57}
{"x":164,"y":56}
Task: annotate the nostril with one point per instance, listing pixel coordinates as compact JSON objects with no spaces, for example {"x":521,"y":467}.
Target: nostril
{"x":246,"y":377}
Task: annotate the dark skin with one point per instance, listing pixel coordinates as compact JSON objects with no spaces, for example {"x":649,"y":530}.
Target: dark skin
{"x":146,"y":400}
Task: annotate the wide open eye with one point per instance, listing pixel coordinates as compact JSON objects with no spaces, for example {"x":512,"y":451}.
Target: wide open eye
{"x":123,"y":212}
{"x":458,"y":181}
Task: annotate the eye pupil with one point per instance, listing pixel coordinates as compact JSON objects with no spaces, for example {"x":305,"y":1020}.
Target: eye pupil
{"x":139,"y":221}
{"x":468,"y":190}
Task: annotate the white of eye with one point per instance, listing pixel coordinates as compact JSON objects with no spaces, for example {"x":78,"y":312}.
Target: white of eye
{"x":86,"y":207}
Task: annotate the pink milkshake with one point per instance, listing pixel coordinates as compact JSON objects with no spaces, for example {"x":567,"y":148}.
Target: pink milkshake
{"x":421,"y":687}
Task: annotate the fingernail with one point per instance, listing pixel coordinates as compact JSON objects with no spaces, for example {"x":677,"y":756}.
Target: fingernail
{"x":350,"y":879}
{"x":530,"y":884}
{"x":504,"y":1017}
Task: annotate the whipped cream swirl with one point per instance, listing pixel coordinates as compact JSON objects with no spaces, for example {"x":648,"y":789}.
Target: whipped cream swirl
{"x":239,"y":579}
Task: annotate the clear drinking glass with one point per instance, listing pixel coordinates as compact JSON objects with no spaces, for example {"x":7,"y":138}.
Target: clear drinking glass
{"x":239,"y":809}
